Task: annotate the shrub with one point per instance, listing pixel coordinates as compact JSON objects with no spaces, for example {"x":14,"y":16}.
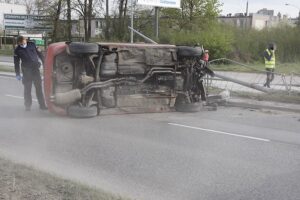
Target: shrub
{"x":217,"y":39}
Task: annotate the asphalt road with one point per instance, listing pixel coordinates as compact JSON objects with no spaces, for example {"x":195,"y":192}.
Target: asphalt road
{"x":230,"y":153}
{"x":6,"y":61}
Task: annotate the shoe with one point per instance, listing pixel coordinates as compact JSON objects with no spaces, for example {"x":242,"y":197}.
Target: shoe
{"x":266,"y":85}
{"x":43,"y":107}
{"x":27,"y":108}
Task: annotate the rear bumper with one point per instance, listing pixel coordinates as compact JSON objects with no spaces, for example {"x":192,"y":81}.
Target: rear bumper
{"x":52,"y":51}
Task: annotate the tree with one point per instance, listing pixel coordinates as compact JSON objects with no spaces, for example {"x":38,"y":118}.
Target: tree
{"x":199,"y":13}
{"x":38,"y":7}
{"x":122,"y":19}
{"x":29,"y":6}
{"x":69,"y":21}
{"x":87,"y":10}
{"x":56,"y":20}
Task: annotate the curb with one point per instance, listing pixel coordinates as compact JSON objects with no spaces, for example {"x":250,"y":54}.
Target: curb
{"x":264,"y":105}
{"x":7,"y":74}
{"x":11,"y":74}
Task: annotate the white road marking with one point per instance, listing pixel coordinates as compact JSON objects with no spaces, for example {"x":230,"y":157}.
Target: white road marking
{"x":220,"y":132}
{"x":8,"y":77}
{"x":18,"y":97}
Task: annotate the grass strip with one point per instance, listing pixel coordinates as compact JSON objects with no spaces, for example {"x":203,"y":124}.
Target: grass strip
{"x":22,"y":182}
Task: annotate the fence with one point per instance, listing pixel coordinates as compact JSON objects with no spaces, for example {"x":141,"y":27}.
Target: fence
{"x":247,"y":79}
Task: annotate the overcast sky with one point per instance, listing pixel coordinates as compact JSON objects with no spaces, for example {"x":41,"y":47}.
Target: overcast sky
{"x":239,"y":6}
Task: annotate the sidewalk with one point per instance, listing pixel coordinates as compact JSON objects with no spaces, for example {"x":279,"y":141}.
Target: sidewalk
{"x":255,"y":104}
{"x":236,"y":102}
{"x":7,"y":74}
{"x":9,"y":64}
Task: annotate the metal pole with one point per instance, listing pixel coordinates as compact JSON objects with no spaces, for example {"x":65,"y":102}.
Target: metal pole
{"x":250,"y":85}
{"x":131,"y":22}
{"x":4,"y":37}
{"x":107,"y":8}
{"x":156,"y":22}
{"x":143,"y":36}
{"x":299,"y":18}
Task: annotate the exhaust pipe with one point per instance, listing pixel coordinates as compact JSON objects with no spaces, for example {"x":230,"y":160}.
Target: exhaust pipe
{"x":67,"y":97}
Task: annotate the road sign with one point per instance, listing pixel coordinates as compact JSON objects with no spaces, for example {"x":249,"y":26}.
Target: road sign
{"x":27,"y":22}
{"x":160,"y":3}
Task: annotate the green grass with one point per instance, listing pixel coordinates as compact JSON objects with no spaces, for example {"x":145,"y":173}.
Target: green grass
{"x":6,"y":51}
{"x":287,"y":68}
{"x":278,"y":97}
{"x":6,"y":69}
{"x":23,"y":182}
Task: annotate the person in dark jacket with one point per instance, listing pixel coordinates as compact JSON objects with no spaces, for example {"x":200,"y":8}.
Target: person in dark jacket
{"x":28,"y":54}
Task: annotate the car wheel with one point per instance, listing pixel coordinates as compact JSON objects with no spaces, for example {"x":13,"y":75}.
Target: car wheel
{"x":83,"y":48}
{"x":82,"y":112}
{"x":188,"y":107}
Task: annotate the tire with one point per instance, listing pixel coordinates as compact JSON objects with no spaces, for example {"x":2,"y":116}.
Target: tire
{"x":188,"y":107}
{"x":83,"y":48}
{"x":184,"y":51}
{"x":82,"y":112}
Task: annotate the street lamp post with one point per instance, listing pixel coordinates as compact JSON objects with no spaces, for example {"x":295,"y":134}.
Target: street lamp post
{"x":288,"y":4}
{"x":131,"y":22}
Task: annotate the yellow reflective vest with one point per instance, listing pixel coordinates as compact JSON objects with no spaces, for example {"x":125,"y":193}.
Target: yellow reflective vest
{"x":270,"y":64}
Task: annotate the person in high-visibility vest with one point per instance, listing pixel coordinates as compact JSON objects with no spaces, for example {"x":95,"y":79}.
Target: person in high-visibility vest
{"x":269,"y":56}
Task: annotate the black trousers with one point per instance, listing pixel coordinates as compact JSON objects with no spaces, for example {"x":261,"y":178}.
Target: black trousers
{"x":202,"y":91}
{"x":270,"y":76}
{"x":32,"y":75}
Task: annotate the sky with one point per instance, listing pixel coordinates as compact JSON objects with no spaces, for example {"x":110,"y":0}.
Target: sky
{"x":239,"y":6}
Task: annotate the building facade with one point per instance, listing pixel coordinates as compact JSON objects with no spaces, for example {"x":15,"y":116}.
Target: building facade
{"x":262,"y":19}
{"x":97,"y":27}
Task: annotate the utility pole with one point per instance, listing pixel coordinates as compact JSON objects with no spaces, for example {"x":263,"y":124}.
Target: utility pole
{"x":156,"y":22}
{"x":247,"y":9}
{"x":131,"y":23}
{"x":246,"y":15}
{"x":298,"y":21}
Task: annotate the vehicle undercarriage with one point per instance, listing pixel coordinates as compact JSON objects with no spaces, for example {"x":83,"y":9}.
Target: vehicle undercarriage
{"x":88,"y":78}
